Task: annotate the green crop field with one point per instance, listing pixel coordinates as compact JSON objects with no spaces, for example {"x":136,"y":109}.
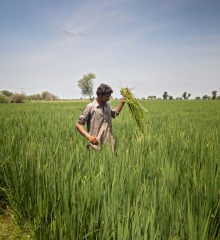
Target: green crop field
{"x":163,"y":184}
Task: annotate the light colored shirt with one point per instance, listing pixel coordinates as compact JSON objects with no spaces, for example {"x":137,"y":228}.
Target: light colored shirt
{"x":98,"y":121}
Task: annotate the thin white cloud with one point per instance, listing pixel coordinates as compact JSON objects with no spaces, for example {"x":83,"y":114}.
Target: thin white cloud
{"x":72,"y":34}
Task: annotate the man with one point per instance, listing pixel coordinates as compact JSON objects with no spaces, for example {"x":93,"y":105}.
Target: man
{"x":98,"y":118}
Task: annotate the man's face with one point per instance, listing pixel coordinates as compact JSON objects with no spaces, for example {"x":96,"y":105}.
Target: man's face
{"x":105,"y":98}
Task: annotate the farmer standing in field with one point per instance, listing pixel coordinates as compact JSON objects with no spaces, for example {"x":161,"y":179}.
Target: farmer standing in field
{"x":98,"y":118}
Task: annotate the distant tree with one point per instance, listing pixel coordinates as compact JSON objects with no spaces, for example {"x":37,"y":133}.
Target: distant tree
{"x":165,"y":95}
{"x":47,"y":96}
{"x":151,"y":97}
{"x":170,"y":97}
{"x":214,"y":95}
{"x":198,"y":98}
{"x":44,"y":95}
{"x":17,"y":98}
{"x":35,"y":97}
{"x":184,"y":95}
{"x":3,"y":99}
{"x":86,"y":84}
{"x":205,"y":97}
{"x":6,"y":93}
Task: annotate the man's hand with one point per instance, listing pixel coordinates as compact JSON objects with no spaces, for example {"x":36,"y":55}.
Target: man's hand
{"x":93,"y":140}
{"x":123,"y":100}
{"x":90,"y":138}
{"x":120,"y":106}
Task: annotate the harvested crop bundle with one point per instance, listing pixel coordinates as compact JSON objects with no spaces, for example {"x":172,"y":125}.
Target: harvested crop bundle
{"x":136,"y":109}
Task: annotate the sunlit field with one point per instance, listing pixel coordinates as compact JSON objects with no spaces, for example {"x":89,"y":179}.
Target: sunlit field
{"x":163,"y":184}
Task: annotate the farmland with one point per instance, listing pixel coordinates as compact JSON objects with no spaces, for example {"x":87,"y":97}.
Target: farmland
{"x":163,"y":184}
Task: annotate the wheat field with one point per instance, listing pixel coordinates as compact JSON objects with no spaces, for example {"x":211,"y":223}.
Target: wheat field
{"x":162,"y":184}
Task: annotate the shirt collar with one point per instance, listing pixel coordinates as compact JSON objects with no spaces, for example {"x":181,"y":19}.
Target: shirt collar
{"x":97,"y":104}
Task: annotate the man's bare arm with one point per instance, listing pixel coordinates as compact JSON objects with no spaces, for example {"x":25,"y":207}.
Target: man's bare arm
{"x":82,"y":131}
{"x":120,"y":106}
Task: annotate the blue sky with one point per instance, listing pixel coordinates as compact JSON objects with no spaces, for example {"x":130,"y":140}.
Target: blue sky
{"x":151,"y":46}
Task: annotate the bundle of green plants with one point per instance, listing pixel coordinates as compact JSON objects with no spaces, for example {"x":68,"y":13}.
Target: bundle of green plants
{"x":136,"y":109}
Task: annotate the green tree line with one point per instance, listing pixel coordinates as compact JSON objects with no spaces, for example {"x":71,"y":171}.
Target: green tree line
{"x":186,"y":96}
{"x":86,"y":85}
{"x":9,"y":97}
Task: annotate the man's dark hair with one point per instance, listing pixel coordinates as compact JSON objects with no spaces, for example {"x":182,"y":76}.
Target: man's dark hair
{"x":104,"y":90}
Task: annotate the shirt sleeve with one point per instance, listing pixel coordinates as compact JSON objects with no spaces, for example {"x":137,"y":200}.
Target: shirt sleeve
{"x":84,"y":117}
